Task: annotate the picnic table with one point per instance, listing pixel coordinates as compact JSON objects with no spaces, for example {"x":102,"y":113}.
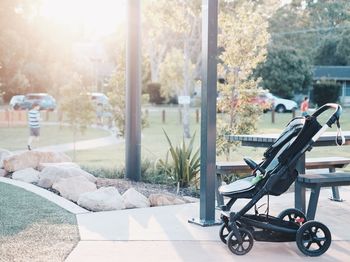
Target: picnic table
{"x":266,"y":140}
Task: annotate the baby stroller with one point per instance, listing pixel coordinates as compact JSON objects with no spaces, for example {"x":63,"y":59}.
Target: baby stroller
{"x":273,"y":176}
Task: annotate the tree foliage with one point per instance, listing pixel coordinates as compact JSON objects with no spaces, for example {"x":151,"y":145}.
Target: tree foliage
{"x":243,"y":38}
{"x":326,"y":92}
{"x":326,"y":53}
{"x":77,"y":105}
{"x":284,"y":72}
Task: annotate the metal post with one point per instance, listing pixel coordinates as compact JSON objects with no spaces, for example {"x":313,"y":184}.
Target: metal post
{"x":133,"y":93}
{"x":208,"y":113}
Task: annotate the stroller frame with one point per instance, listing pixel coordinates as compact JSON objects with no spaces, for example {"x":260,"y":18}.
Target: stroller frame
{"x":239,"y":229}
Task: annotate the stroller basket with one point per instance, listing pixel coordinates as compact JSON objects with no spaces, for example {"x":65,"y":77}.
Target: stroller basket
{"x":273,"y":176}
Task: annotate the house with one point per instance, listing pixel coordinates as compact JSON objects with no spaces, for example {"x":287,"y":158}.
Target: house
{"x":340,"y":74}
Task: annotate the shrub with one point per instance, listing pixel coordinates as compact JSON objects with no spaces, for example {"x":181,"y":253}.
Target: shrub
{"x":153,"y":90}
{"x":326,"y":92}
{"x":185,"y":164}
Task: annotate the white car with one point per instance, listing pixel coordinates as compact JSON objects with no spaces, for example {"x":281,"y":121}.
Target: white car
{"x":99,"y":98}
{"x":282,"y":105}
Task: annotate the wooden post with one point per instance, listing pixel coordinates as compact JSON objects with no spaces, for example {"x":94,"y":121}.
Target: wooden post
{"x":163,"y":116}
{"x":180,"y":115}
{"x":273,"y":114}
{"x":197,"y":115}
{"x":7,"y":117}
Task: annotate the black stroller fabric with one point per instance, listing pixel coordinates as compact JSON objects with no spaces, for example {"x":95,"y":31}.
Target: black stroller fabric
{"x":311,"y":127}
{"x":280,"y":169}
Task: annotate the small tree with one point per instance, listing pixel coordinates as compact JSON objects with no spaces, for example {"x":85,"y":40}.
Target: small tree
{"x":243,"y":39}
{"x":116,"y":94}
{"x":326,"y":92}
{"x":77,"y":106}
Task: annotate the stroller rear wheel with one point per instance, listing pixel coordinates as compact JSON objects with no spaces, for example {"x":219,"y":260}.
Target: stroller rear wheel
{"x":224,"y":232}
{"x":293,"y":215}
{"x":240,"y":248}
{"x":313,"y":238}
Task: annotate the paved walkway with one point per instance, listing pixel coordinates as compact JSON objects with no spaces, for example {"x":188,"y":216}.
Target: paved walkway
{"x":164,"y":234}
{"x":80,"y":145}
{"x":83,"y":145}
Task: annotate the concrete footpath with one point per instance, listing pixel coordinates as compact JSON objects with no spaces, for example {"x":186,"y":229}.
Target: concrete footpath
{"x":164,"y":234}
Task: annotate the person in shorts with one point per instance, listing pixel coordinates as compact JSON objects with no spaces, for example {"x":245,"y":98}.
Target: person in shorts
{"x":34,"y":124}
{"x":304,"y":106}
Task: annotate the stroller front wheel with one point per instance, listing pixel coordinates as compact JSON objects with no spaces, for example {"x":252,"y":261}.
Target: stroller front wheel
{"x":224,"y":232}
{"x":240,"y":248}
{"x":313,"y":238}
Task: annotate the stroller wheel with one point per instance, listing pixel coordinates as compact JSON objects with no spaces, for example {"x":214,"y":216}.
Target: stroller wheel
{"x":240,"y":248}
{"x":313,"y":238}
{"x":293,"y":215}
{"x":224,"y":232}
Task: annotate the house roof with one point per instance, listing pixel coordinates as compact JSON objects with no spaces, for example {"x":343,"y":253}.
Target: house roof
{"x":331,"y":72}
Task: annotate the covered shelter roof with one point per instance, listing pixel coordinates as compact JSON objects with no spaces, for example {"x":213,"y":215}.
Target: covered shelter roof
{"x":331,"y":72}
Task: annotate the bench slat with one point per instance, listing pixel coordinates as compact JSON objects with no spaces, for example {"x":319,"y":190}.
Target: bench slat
{"x":324,"y":178}
{"x":310,"y":163}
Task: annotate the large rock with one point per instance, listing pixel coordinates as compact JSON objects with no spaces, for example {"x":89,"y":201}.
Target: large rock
{"x":3,"y":172}
{"x":103,"y":199}
{"x":72,"y":188}
{"x":29,"y":175}
{"x":41,"y":166}
{"x":164,"y":200}
{"x":52,"y":174}
{"x":134,"y":199}
{"x":4,"y":154}
{"x":32,"y":159}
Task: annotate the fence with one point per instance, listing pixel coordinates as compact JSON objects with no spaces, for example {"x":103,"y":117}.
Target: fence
{"x":10,"y":118}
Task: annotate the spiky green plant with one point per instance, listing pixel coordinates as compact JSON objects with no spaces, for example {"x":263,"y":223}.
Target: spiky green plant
{"x":185,"y":162}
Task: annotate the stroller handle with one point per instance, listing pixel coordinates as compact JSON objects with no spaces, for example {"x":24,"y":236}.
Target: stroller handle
{"x":336,"y":115}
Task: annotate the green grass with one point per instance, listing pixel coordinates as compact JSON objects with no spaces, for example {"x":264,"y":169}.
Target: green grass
{"x":154,"y":144}
{"x":20,"y":209}
{"x":153,"y":141}
{"x":15,"y":138}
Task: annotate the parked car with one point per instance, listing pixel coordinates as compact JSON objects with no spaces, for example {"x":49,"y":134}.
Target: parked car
{"x":281,"y":105}
{"x":261,"y":100}
{"x":99,"y":98}
{"x":16,"y":101}
{"x":45,"y":101}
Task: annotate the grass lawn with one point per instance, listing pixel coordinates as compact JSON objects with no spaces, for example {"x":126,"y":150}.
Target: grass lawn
{"x":15,"y":138}
{"x":33,"y":228}
{"x":154,"y":144}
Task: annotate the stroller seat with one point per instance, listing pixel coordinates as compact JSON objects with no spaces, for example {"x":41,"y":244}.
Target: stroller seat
{"x":239,"y":186}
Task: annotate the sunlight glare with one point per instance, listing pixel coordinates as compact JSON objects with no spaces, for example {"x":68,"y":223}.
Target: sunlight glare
{"x":100,"y":17}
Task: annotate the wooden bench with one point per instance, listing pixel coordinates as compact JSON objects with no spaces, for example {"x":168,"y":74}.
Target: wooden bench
{"x":240,"y":167}
{"x":315,"y":182}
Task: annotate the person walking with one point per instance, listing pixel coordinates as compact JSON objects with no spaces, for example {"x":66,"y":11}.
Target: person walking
{"x":34,"y":124}
{"x":304,"y":106}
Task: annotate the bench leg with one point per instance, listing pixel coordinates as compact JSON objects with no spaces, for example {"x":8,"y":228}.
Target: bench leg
{"x":299,"y":197}
{"x":335,"y":194}
{"x":311,"y":209}
{"x":219,"y":197}
{"x":335,"y":189}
